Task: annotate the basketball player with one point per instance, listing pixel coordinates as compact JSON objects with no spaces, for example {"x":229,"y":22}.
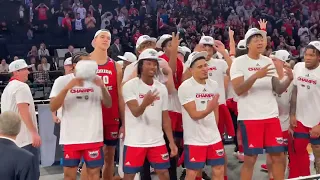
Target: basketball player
{"x":111,"y":74}
{"x":147,"y":117}
{"x":279,"y":58}
{"x":81,"y":138}
{"x":17,"y":97}
{"x":254,"y":81}
{"x":304,"y":113}
{"x":200,"y":107}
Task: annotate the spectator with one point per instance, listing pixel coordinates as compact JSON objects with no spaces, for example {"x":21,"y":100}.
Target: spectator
{"x":17,"y":163}
{"x":30,"y":13}
{"x":4,"y":67}
{"x":66,"y":23}
{"x":4,"y":28}
{"x":90,"y":21}
{"x":69,"y":53}
{"x":41,"y":76}
{"x":43,"y":51}
{"x":78,"y":24}
{"x":42,"y":13}
{"x":33,"y":52}
{"x":82,"y":11}
{"x":15,"y":58}
{"x":33,"y":64}
{"x":115,"y":49}
{"x":45,"y":66}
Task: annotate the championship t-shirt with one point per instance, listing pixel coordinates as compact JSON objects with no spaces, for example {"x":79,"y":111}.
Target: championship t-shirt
{"x":258,"y":103}
{"x":203,"y":131}
{"x":145,"y":130}
{"x":81,"y":120}
{"x":308,"y":95}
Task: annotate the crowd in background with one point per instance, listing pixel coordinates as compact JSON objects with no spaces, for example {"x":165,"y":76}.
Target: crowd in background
{"x":292,"y":24}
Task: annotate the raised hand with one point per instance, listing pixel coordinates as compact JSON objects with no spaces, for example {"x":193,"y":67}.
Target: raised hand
{"x":263,"y":23}
{"x":219,"y":46}
{"x":265,"y":71}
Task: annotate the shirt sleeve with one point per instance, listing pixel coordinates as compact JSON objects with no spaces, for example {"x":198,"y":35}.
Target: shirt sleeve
{"x":235,"y":70}
{"x":22,"y":95}
{"x":224,"y":67}
{"x":128,"y":92}
{"x":165,"y":99}
{"x":185,"y":95}
{"x":58,"y":85}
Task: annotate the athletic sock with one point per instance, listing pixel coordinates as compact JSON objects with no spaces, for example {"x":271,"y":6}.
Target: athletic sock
{"x":225,"y":177}
{"x":240,"y":147}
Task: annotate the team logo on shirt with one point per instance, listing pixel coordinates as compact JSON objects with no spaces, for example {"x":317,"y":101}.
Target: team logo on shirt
{"x":258,"y":64}
{"x":93,"y":154}
{"x":220,"y":152}
{"x":165,"y":156}
{"x":114,"y":134}
{"x":86,"y":97}
{"x":279,"y":140}
{"x":307,"y":75}
{"x":254,"y":68}
{"x":204,"y":90}
{"x":307,"y":80}
{"x":204,"y":95}
{"x":212,"y":68}
{"x":81,"y":90}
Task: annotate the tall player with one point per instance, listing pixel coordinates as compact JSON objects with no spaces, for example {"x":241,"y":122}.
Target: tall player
{"x":147,"y":117}
{"x":200,"y":108}
{"x":254,"y":81}
{"x":304,"y":112}
{"x":279,"y":58}
{"x":111,"y":74}
{"x":81,"y":138}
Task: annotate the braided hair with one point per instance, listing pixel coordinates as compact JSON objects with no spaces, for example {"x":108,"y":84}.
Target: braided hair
{"x":76,"y":57}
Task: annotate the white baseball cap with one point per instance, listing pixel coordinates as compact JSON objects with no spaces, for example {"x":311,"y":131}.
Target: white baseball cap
{"x":282,"y":55}
{"x":183,"y":50}
{"x":68,"y":61}
{"x":98,"y":33}
{"x":162,"y":39}
{"x":315,"y":44}
{"x":144,"y":38}
{"x":208,"y":40}
{"x":86,"y":69}
{"x":128,"y":56}
{"x":149,"y":54}
{"x":195,"y":55}
{"x":18,"y":65}
{"x":242,"y":45}
{"x":252,"y":32}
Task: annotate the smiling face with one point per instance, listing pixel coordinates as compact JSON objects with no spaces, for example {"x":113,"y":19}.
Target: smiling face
{"x":199,"y":69}
{"x":255,"y":44}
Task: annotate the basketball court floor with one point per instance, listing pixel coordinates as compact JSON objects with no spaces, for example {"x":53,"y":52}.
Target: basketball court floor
{"x":56,"y":172}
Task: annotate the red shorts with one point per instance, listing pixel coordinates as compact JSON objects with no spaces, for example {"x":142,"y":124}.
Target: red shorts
{"x":225,"y":121}
{"x":134,"y":157}
{"x":232,"y":105}
{"x":303,"y":132}
{"x":197,"y":156}
{"x":176,"y":124}
{"x":110,"y":134}
{"x":91,"y":153}
{"x":261,"y":134}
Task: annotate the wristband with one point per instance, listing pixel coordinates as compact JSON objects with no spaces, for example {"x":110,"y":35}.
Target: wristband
{"x":232,"y":55}
{"x":264,"y":29}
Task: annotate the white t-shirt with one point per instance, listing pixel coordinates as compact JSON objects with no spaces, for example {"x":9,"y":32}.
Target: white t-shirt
{"x":78,"y":24}
{"x":259,"y":102}
{"x":81,"y":120}
{"x":82,"y":12}
{"x":217,"y":72}
{"x":145,"y":130}
{"x":283,"y":101}
{"x":308,"y":96}
{"x":17,"y":92}
{"x":203,"y":131}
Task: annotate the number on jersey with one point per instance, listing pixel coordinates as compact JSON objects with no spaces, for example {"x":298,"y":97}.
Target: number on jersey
{"x":105,"y":79}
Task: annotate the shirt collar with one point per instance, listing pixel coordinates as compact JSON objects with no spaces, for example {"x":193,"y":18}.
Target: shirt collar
{"x":2,"y":137}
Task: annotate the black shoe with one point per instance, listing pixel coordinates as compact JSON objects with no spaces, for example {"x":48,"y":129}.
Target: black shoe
{"x":79,"y":170}
{"x":205,"y":176}
{"x":183,"y":175}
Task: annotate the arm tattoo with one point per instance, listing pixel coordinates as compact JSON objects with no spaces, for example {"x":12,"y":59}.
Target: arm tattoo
{"x":293,"y":101}
{"x":278,"y":86}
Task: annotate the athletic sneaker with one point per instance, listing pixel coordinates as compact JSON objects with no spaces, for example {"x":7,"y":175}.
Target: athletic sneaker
{"x":183,"y":174}
{"x":79,"y":170}
{"x":205,"y":176}
{"x":264,"y":167}
{"x":239,"y":156}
